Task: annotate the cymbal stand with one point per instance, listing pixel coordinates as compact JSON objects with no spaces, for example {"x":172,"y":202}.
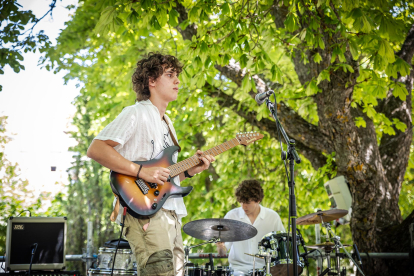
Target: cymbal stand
{"x":268,"y":259}
{"x":254,"y":265}
{"x":188,"y":248}
{"x":338,"y":245}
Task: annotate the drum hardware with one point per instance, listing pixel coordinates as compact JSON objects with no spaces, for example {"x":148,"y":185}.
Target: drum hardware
{"x":280,"y":245}
{"x":188,"y":248}
{"x":337,"y":246}
{"x":253,"y":271}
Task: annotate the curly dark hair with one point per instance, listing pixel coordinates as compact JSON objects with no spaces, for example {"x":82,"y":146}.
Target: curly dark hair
{"x":152,"y":67}
{"x":249,"y":190}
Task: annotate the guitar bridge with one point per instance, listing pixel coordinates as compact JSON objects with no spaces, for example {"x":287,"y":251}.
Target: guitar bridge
{"x":141,"y":184}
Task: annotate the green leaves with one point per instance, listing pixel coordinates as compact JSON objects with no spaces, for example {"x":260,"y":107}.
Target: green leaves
{"x":324,"y":75}
{"x":107,"y":17}
{"x":353,"y":47}
{"x":276,"y":74}
{"x":312,"y":88}
{"x":317,"y":58}
{"x":360,"y":21}
{"x":173,"y":17}
{"x":243,"y":61}
{"x":385,"y":51}
{"x":360,"y":122}
{"x":291,"y":22}
{"x":399,"y":90}
{"x":225,"y":9}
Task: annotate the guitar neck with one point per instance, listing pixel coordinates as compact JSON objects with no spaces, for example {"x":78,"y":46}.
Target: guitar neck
{"x":193,"y":161}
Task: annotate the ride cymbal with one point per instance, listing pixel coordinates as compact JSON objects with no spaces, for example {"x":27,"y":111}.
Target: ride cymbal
{"x":327,"y":216}
{"x":227,"y":230}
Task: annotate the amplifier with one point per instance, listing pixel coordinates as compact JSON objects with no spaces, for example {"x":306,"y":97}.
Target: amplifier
{"x":43,"y":236}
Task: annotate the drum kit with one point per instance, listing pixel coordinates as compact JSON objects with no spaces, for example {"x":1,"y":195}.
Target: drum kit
{"x":276,"y":248}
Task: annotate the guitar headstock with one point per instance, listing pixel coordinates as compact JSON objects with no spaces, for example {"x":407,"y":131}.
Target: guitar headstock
{"x":246,"y":138}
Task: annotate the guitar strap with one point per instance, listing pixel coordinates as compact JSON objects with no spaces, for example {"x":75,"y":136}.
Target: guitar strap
{"x":115,"y":211}
{"x":172,"y":136}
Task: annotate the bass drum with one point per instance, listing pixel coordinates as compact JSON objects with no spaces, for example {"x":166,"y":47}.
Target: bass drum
{"x":107,"y":272}
{"x":281,"y":247}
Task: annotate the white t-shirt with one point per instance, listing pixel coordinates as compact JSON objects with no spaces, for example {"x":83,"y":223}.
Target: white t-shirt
{"x":266,"y":222}
{"x":142,"y":135}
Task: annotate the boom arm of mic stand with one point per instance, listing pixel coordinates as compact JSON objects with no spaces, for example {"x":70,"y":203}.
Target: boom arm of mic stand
{"x":288,"y":141}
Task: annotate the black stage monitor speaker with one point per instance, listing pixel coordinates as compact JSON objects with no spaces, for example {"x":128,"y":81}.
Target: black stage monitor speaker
{"x":23,"y":233}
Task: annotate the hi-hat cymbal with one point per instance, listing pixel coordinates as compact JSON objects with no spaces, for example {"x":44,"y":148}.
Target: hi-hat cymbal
{"x":327,"y":216}
{"x":257,"y":256}
{"x":228,"y":230}
{"x":324,"y":245}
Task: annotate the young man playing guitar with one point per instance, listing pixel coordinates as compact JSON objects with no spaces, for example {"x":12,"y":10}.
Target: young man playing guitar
{"x":139,"y":133}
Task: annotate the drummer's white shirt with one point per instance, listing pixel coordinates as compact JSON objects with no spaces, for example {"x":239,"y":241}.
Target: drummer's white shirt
{"x":266,"y":222}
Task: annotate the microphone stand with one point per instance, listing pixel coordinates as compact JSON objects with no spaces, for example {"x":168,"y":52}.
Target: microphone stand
{"x":293,"y":157}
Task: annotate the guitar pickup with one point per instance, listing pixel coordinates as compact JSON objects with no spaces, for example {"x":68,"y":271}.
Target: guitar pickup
{"x":142,"y":186}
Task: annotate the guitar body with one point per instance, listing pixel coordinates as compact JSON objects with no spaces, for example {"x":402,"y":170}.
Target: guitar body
{"x":145,"y":199}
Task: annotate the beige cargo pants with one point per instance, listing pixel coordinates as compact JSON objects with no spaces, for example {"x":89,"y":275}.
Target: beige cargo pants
{"x":159,"y":249}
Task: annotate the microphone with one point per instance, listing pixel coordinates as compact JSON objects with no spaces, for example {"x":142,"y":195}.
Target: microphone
{"x":261,"y":97}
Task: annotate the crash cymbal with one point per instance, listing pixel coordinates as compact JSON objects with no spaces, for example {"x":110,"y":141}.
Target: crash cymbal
{"x":327,"y":216}
{"x":324,"y":245}
{"x":228,"y":230}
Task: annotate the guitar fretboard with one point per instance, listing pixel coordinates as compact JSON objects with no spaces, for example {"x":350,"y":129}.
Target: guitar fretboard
{"x":193,"y":161}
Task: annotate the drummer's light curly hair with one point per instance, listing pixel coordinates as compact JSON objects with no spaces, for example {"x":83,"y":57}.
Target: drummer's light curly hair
{"x":249,"y":190}
{"x":152,"y":66}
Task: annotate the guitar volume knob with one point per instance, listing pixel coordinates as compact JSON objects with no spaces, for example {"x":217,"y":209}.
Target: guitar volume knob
{"x":154,"y":206}
{"x":156,"y":193}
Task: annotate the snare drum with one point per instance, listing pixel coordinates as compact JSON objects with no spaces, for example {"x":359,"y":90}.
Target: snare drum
{"x":281,"y":250}
{"x":106,"y":272}
{"x":125,"y":259}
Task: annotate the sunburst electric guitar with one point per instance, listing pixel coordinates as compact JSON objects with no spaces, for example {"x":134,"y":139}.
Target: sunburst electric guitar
{"x":145,"y":199}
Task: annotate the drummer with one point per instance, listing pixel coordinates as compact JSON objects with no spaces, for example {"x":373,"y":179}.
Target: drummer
{"x":249,"y":194}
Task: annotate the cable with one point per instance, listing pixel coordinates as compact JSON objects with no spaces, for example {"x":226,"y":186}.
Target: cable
{"x":320,"y":253}
{"x":3,"y":267}
{"x":119,"y":240}
{"x":34,"y":248}
{"x":30,"y":213}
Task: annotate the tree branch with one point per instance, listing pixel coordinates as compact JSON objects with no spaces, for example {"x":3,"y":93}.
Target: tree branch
{"x":312,"y":152}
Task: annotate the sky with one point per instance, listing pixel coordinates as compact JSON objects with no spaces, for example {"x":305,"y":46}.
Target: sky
{"x":39,"y":109}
